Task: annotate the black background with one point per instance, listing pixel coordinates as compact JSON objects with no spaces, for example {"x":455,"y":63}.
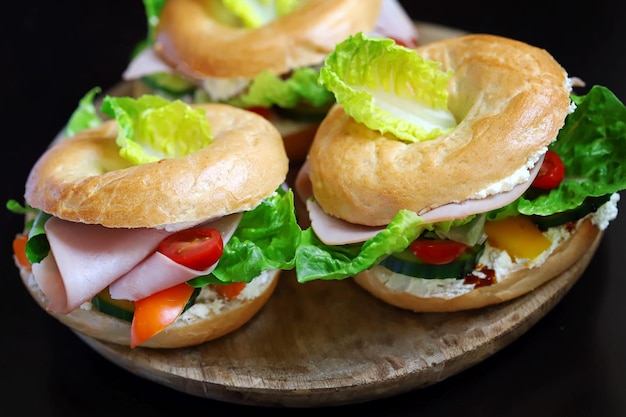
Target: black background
{"x":572,"y":363}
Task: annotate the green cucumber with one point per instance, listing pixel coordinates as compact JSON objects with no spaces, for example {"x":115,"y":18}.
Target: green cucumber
{"x":107,"y":307}
{"x":170,"y":84}
{"x":406,"y":263}
{"x":110,"y":307}
{"x":590,"y":205}
{"x":304,"y":112}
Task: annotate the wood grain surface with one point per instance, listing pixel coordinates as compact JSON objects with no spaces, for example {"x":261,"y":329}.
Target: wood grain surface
{"x":331,"y":343}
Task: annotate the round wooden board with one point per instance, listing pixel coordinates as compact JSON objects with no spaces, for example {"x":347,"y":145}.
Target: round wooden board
{"x":331,"y":343}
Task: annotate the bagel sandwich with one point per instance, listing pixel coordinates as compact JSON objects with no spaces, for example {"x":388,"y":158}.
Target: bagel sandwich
{"x":259,"y":55}
{"x":458,"y":175}
{"x":157,"y":224}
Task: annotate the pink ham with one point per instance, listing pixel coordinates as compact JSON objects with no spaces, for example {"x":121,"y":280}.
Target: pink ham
{"x":85,"y":259}
{"x":394,"y":23}
{"x":156,"y":273}
{"x":90,"y":257}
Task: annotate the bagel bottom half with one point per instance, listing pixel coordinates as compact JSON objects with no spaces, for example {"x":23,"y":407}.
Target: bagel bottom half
{"x":208,"y":319}
{"x":571,"y":257}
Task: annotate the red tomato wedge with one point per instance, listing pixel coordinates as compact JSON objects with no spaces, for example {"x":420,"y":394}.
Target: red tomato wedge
{"x":229,"y":291}
{"x":154,"y":313}
{"x":437,"y":252}
{"x":19,"y":249}
{"x":551,"y":173}
{"x":197,"y":248}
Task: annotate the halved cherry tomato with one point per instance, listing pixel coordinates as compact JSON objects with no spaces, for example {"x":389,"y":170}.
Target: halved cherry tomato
{"x":197,"y":248}
{"x":229,"y":291}
{"x":157,"y":311}
{"x":437,"y":252}
{"x":263,"y":111}
{"x":551,"y":173}
{"x":412,"y":44}
{"x":19,"y":249}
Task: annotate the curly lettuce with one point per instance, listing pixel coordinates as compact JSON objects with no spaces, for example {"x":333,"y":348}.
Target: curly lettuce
{"x":85,"y":116}
{"x":592,"y":146}
{"x":268,"y":90}
{"x":265,"y":239}
{"x":152,"y":128}
{"x":389,"y":88}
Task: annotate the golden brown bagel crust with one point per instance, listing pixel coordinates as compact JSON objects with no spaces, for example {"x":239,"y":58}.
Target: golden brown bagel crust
{"x":188,"y":330}
{"x":510,"y":100}
{"x":194,"y":43}
{"x":83,"y":178}
{"x":572,"y":257}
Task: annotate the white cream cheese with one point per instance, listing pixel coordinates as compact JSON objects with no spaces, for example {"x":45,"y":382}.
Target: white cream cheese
{"x":492,"y":258}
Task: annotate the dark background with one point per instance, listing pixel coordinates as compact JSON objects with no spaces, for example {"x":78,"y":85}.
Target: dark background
{"x":572,"y":363}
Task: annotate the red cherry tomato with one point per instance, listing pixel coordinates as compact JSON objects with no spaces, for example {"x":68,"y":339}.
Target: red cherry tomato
{"x":157,"y":311}
{"x":412,"y":43}
{"x":262,"y":111}
{"x":437,"y":252}
{"x":551,"y":173}
{"x":197,"y":248}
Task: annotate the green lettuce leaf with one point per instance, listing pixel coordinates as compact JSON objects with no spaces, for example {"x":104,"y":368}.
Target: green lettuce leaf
{"x":592,"y":146}
{"x":153,"y":11}
{"x":152,"y":128}
{"x":85,"y":116}
{"x":389,"y":88}
{"x":267,"y":90}
{"x":255,"y":13}
{"x":316,"y":260}
{"x":37,"y":246}
{"x":265,"y":239}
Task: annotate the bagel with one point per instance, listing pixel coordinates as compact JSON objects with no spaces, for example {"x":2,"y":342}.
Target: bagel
{"x":482,"y":213}
{"x":301,"y":38}
{"x":572,"y":258}
{"x":222,"y":59}
{"x":108,"y":224}
{"x":510,"y":100}
{"x":83,"y":178}
{"x":208,"y":319}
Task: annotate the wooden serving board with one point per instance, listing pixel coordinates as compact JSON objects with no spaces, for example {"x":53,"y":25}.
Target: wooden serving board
{"x":331,"y":343}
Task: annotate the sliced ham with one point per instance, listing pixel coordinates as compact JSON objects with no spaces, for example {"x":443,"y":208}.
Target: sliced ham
{"x":145,"y":63}
{"x":158,"y":272}
{"x":394,"y":23}
{"x":334,"y":231}
{"x":90,"y":257}
{"x":85,"y":259}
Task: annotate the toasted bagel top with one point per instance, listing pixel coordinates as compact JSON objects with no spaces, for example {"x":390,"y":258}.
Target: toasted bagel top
{"x":83,"y":178}
{"x":510,"y":100}
{"x":192,"y":40}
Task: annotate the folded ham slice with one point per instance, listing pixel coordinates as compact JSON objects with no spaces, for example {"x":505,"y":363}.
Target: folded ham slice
{"x":84,"y":259}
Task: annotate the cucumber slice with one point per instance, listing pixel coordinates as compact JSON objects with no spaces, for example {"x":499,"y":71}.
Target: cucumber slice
{"x":406,"y":263}
{"x":304,"y":112}
{"x":590,"y":205}
{"x":103,"y":303}
{"x":171,"y":84}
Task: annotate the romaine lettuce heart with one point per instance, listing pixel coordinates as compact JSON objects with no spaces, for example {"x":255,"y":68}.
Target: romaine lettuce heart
{"x":152,"y":128}
{"x":389,"y":88}
{"x":255,"y":13}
